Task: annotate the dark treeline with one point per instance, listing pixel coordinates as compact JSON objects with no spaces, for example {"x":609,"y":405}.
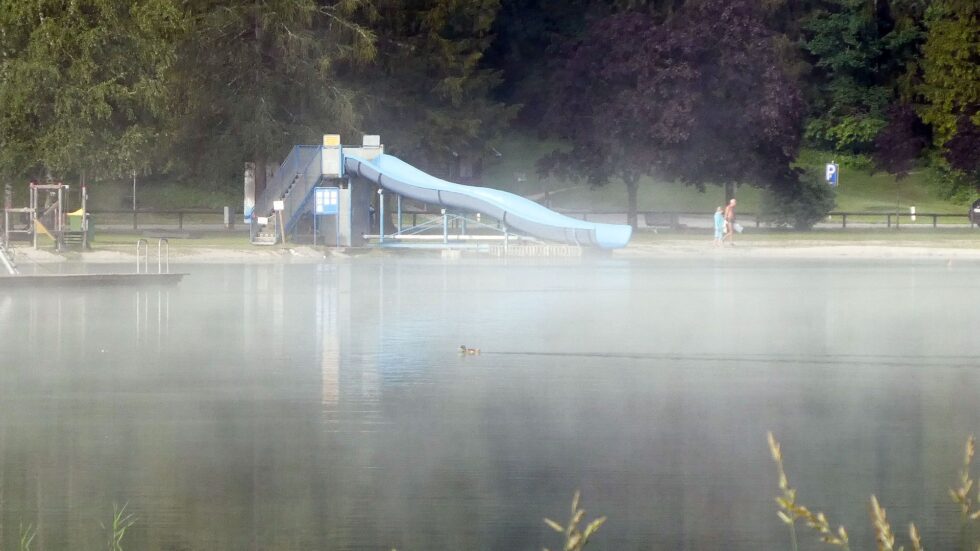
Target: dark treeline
{"x":699,"y":91}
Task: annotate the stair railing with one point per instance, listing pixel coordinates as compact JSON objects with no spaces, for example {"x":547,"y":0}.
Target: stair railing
{"x":7,"y":259}
{"x":144,"y":245}
{"x":161,"y":257}
{"x":298,"y":158}
{"x":308,"y":178}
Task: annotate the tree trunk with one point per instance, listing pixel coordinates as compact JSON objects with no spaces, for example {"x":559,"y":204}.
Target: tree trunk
{"x":632,"y":185}
{"x":729,"y":191}
{"x":260,"y":180}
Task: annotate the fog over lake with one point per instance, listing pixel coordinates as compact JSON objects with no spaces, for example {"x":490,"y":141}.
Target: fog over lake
{"x":326,"y":406}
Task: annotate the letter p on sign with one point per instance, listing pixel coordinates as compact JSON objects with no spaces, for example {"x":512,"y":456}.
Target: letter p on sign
{"x":831,"y":173}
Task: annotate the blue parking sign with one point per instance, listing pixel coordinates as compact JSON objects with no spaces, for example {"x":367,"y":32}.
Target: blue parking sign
{"x":831,"y":173}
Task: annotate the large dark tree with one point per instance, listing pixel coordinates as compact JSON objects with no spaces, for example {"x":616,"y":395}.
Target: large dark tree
{"x":962,"y":151}
{"x":701,"y":99}
{"x":428,"y":93}
{"x":862,"y":53}
{"x":900,"y":142}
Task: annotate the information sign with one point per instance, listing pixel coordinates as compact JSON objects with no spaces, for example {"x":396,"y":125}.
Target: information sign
{"x":326,"y":200}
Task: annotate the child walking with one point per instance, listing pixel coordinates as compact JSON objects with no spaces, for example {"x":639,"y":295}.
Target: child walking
{"x":719,"y":227}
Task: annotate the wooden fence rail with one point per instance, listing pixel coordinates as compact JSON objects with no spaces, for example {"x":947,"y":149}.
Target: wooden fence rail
{"x":652,"y":218}
{"x":178,"y":213}
{"x":672,"y":218}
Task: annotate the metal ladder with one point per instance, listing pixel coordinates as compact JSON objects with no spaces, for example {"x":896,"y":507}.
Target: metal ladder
{"x":7,"y":259}
{"x":163,"y":256}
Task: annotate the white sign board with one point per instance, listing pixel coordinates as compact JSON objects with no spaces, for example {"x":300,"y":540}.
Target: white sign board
{"x":278,"y":205}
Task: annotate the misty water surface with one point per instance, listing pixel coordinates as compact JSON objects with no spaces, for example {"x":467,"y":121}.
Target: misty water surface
{"x":326,"y":406}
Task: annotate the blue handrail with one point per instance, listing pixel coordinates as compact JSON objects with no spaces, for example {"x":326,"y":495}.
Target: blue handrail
{"x":309,"y":176}
{"x":299,"y":157}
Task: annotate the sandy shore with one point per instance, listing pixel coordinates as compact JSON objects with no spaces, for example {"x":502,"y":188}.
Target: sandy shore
{"x":828,"y":250}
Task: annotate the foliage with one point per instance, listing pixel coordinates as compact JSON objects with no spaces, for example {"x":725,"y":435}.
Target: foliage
{"x":951,"y":73}
{"x":862,"y":52}
{"x":790,"y":512}
{"x":121,"y":521}
{"x":699,"y":98}
{"x":962,"y":151}
{"x":701,"y":91}
{"x":949,"y":183}
{"x":900,"y":142}
{"x":82,"y":84}
{"x":27,"y":535}
{"x":525,"y":35}
{"x":575,"y":538}
{"x":255,"y":78}
{"x":435,"y":101}
{"x":800,"y":206}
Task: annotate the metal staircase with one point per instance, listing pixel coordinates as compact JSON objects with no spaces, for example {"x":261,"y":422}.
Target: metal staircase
{"x":292,"y":184}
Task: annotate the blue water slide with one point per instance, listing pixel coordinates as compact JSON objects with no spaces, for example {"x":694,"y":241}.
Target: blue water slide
{"x":513,"y":210}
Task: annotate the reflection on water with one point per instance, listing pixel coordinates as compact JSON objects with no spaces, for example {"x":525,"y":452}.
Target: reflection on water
{"x":326,"y":406}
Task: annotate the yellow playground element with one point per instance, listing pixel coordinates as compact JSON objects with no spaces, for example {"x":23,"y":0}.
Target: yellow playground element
{"x":76,"y":220}
{"x":39,"y":227}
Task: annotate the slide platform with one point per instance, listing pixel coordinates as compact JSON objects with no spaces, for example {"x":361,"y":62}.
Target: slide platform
{"x":513,"y":210}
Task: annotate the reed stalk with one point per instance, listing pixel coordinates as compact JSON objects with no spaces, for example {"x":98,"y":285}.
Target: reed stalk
{"x":27,"y":534}
{"x":121,"y":521}
{"x":575,"y":539}
{"x":790,"y":511}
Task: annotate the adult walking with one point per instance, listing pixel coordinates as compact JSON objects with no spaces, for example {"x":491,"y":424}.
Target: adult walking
{"x":730,"y":221}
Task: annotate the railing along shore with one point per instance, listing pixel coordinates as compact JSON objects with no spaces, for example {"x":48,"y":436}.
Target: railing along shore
{"x":226,"y":217}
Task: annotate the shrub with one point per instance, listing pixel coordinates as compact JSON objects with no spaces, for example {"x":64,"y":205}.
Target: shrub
{"x":801,"y":205}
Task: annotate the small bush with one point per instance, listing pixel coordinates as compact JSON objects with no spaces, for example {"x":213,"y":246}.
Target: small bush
{"x":800,"y":205}
{"x":951,"y":184}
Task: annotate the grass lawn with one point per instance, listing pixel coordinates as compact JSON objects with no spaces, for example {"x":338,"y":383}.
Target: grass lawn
{"x":217,"y":239}
{"x":516,"y":170}
{"x":953,"y":237}
{"x":859,"y":191}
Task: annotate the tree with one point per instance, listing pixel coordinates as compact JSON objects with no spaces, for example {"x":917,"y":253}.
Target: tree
{"x":82,"y":84}
{"x":429,"y":92}
{"x":699,"y":98}
{"x":529,"y":33}
{"x":862,"y":51}
{"x":950,"y":92}
{"x":962,"y":151}
{"x":951,"y":67}
{"x":526,"y":34}
{"x":900,"y":142}
{"x":254,"y":78}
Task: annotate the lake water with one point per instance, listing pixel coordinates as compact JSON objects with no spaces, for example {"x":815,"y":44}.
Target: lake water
{"x":325,"y":406}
